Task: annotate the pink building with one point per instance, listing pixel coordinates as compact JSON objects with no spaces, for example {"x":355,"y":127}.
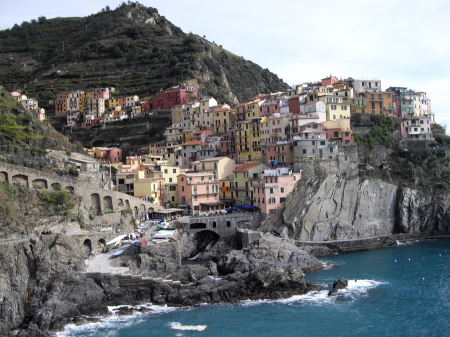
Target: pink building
{"x":199,"y":192}
{"x":275,"y":185}
{"x":416,"y":128}
{"x":72,"y":117}
{"x":111,"y":155}
{"x":102,"y":93}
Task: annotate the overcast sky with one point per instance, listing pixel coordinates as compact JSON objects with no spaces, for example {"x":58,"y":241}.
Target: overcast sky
{"x":401,"y":43}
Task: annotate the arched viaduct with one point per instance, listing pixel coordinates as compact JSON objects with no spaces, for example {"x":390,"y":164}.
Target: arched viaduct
{"x":100,"y":200}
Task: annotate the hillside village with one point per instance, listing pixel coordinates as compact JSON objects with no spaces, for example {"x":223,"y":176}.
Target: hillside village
{"x":215,"y":156}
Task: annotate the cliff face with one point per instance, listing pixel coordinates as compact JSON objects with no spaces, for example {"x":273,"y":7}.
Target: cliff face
{"x":336,"y":202}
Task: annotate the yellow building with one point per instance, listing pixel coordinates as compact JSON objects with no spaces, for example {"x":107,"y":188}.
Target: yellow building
{"x":255,"y":139}
{"x":336,"y":107}
{"x":223,"y":120}
{"x":84,"y":99}
{"x":112,"y":103}
{"x":243,"y":141}
{"x":148,"y":188}
{"x":244,"y":178}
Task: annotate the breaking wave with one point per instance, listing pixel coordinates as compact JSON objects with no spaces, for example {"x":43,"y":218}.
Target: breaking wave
{"x":355,"y":289}
{"x":178,"y":326}
{"x":108,"y":325}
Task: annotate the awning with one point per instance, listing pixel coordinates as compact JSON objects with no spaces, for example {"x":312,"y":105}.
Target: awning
{"x":218,"y":203}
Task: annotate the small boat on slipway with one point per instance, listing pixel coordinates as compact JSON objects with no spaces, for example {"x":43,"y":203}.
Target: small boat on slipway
{"x":117,"y":253}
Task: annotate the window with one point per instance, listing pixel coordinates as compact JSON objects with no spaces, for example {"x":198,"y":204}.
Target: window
{"x":282,"y":199}
{"x":333,"y":107}
{"x":170,"y":180}
{"x":174,"y":171}
{"x":322,"y":142}
{"x":271,"y":200}
{"x":271,"y":190}
{"x":304,"y":151}
{"x":228,"y":224}
{"x":343,"y":107}
{"x":282,"y":189}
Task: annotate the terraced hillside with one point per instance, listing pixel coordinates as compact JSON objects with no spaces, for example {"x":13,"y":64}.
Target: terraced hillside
{"x":131,"y":48}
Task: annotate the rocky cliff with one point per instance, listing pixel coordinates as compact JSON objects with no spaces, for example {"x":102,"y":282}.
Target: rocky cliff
{"x":344,"y":200}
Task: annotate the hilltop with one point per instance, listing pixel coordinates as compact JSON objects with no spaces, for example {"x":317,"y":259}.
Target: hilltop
{"x":131,"y":48}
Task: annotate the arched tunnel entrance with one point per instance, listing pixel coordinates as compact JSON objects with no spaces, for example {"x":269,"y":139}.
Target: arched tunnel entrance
{"x":204,"y":241}
{"x":87,"y":247}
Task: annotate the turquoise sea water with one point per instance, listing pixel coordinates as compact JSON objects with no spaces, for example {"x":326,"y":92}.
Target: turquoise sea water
{"x":398,"y":291}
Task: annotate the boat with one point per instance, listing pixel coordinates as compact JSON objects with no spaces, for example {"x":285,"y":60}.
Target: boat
{"x":117,"y":253}
{"x":116,"y":239}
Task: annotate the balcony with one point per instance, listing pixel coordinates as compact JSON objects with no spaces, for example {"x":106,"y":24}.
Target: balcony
{"x":197,"y":182}
{"x":204,"y":193}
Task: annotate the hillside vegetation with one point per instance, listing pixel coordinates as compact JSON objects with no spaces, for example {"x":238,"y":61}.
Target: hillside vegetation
{"x":131,"y":48}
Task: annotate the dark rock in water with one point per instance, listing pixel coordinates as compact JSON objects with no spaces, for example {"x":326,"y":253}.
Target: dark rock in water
{"x":337,"y":285}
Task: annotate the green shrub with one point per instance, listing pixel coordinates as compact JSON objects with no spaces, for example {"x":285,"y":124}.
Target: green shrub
{"x":126,"y":211}
{"x":74,"y":172}
{"x":58,"y":201}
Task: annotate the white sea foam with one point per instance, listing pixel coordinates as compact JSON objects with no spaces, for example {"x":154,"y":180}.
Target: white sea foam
{"x":178,"y":326}
{"x":328,"y":265}
{"x":354,"y":289}
{"x":215,"y":278}
{"x":407,"y":243}
{"x":110,"y":323}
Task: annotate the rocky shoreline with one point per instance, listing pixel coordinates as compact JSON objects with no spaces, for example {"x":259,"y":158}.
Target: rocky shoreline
{"x":45,"y":285}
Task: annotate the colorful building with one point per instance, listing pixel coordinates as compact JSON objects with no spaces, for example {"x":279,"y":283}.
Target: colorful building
{"x":275,"y":185}
{"x":199,"y":191}
{"x":168,"y":98}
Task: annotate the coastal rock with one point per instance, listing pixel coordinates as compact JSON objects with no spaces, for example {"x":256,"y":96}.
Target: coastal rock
{"x":338,"y":285}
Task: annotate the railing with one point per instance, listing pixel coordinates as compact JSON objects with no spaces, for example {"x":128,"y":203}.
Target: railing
{"x":209,"y":181}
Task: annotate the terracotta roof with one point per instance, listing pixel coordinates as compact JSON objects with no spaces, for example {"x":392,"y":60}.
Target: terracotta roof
{"x":194,"y":142}
{"x":246,"y":167}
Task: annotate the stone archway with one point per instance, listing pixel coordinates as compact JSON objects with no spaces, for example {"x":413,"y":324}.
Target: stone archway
{"x":205,"y":239}
{"x":70,"y":189}
{"x":127,"y":204}
{"x":101,"y":244}
{"x":120,"y":203}
{"x":136,"y":211}
{"x":107,"y":203}
{"x":87,"y":247}
{"x":4,"y":177}
{"x":39,"y":184}
{"x":57,"y":186}
{"x":141,"y":208}
{"x":95,"y":204}
{"x":20,"y":179}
